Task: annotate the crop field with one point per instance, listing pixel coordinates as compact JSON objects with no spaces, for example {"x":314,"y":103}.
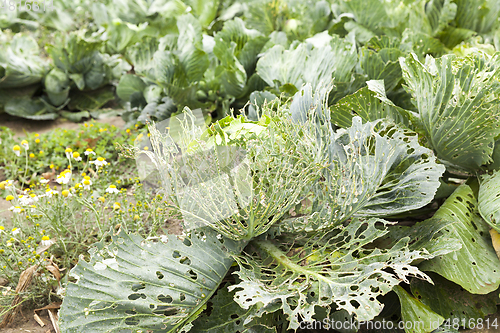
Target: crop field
{"x":250,"y":166}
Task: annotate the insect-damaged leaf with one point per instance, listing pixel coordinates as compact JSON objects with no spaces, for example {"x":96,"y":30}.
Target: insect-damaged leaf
{"x":489,"y":199}
{"x":134,"y":284}
{"x":414,"y":311}
{"x":325,"y":269}
{"x":457,"y":106}
{"x":226,"y":316}
{"x":475,"y":266}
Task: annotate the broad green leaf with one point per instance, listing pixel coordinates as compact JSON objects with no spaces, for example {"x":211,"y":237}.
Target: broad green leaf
{"x":323,"y":269}
{"x":130,"y":84}
{"x":121,"y":35}
{"x":319,"y":65}
{"x":74,"y":53}
{"x":370,"y":15}
{"x":138,"y":284}
{"x":489,"y":199}
{"x":378,"y":174}
{"x":423,"y":319}
{"x":370,"y":103}
{"x":141,"y":56}
{"x":57,"y":86}
{"x":75,"y":116}
{"x":455,"y":98}
{"x":206,"y":10}
{"x":160,"y":110}
{"x":90,"y":100}
{"x":430,"y":236}
{"x":227,"y":316}
{"x":451,"y":301}
{"x":475,"y":267}
{"x":20,"y":64}
{"x":33,"y":109}
{"x":26,"y":92}
{"x":249,"y":43}
{"x":382,"y":65}
{"x":440,"y":14}
{"x":232,"y":74}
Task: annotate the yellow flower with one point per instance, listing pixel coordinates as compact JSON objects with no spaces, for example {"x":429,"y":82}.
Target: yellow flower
{"x":25,"y":144}
{"x":9,"y":197}
{"x":102,"y":130}
{"x":128,"y":131}
{"x":37,"y":141}
{"x":146,"y":148}
{"x":68,"y":150}
{"x":65,"y":193}
{"x":136,"y":217}
{"x":101,"y":199}
{"x":116,"y":205}
{"x":32,"y":155}
{"x":2,"y":185}
{"x":37,"y":135}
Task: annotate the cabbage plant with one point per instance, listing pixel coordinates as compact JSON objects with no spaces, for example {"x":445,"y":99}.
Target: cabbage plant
{"x":286,"y":220}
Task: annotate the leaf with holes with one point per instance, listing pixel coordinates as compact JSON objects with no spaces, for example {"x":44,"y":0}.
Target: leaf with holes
{"x":457,"y":105}
{"x":475,"y":266}
{"x":370,"y":103}
{"x":414,"y":311}
{"x":325,"y":268}
{"x":376,"y":172}
{"x":489,"y":199}
{"x":239,"y":182}
{"x":227,"y":316}
{"x":133,"y":284}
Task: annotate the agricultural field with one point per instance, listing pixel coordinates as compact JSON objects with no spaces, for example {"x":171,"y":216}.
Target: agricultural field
{"x":250,"y":166}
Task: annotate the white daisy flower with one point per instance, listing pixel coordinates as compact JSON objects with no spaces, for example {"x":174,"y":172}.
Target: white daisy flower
{"x":50,"y":192}
{"x":16,"y":231}
{"x":25,"y":144}
{"x":16,"y":209}
{"x":64,"y":177}
{"x":99,"y":162}
{"x":25,"y":200}
{"x":17,"y":150}
{"x":89,"y":151}
{"x":44,"y":181}
{"x":86,"y":182}
{"x":46,"y":241}
{"x":76,"y":156}
{"x":112,"y":189}
{"x":68,"y":152}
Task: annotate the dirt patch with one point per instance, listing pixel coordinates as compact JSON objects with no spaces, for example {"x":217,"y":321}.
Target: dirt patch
{"x":24,"y":322}
{"x":22,"y":126}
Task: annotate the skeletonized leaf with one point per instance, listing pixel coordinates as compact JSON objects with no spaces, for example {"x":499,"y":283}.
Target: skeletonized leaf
{"x":322,"y":269}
